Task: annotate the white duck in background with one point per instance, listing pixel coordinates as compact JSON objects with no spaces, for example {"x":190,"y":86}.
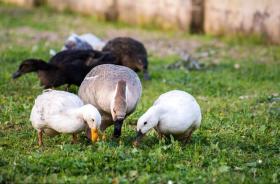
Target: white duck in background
{"x":174,"y":113}
{"x":84,"y":41}
{"x":81,"y":42}
{"x":63,"y":112}
{"x":95,"y":42}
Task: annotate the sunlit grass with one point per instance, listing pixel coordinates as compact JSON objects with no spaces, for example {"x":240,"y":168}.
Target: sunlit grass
{"x":238,"y":142}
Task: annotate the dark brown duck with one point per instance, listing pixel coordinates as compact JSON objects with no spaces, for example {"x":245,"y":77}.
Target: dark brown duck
{"x":66,"y":67}
{"x":129,"y":52}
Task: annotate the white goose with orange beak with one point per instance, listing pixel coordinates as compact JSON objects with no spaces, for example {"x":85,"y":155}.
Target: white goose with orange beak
{"x":57,"y":112}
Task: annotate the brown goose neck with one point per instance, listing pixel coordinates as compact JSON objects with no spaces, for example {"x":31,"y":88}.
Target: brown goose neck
{"x":121,"y":90}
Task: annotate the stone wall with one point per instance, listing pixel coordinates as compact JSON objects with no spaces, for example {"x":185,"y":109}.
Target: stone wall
{"x":164,"y":13}
{"x":260,"y":17}
{"x":101,"y":8}
{"x":215,"y":17}
{"x":168,"y":14}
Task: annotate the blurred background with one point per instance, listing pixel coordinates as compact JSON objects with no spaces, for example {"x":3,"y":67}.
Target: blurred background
{"x":214,"y":17}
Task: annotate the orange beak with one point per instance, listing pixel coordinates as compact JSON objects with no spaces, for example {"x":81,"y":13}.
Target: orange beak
{"x":94,"y":134}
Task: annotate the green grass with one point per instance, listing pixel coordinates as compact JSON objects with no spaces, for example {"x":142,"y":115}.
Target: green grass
{"x":238,"y":141}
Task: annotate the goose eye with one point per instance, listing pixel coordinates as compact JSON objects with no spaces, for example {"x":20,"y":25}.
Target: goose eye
{"x":92,"y":120}
{"x":114,"y":110}
{"x":145,"y":123}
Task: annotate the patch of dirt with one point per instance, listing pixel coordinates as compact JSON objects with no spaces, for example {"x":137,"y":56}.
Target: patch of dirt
{"x":159,"y":45}
{"x":15,"y":11}
{"x":28,"y":37}
{"x":37,"y":36}
{"x":156,"y":44}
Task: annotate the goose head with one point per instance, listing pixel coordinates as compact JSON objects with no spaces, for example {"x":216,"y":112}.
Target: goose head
{"x":146,"y":122}
{"x":70,"y":43}
{"x":29,"y":65}
{"x":92,"y":118}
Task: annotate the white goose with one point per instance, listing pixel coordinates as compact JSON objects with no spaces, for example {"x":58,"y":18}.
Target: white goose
{"x":174,"y":113}
{"x":63,"y":112}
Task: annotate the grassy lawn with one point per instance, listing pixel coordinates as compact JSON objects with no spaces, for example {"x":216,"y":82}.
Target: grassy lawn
{"x":238,"y":141}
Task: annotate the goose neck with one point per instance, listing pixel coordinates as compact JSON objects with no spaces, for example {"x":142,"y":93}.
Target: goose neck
{"x":119,"y":103}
